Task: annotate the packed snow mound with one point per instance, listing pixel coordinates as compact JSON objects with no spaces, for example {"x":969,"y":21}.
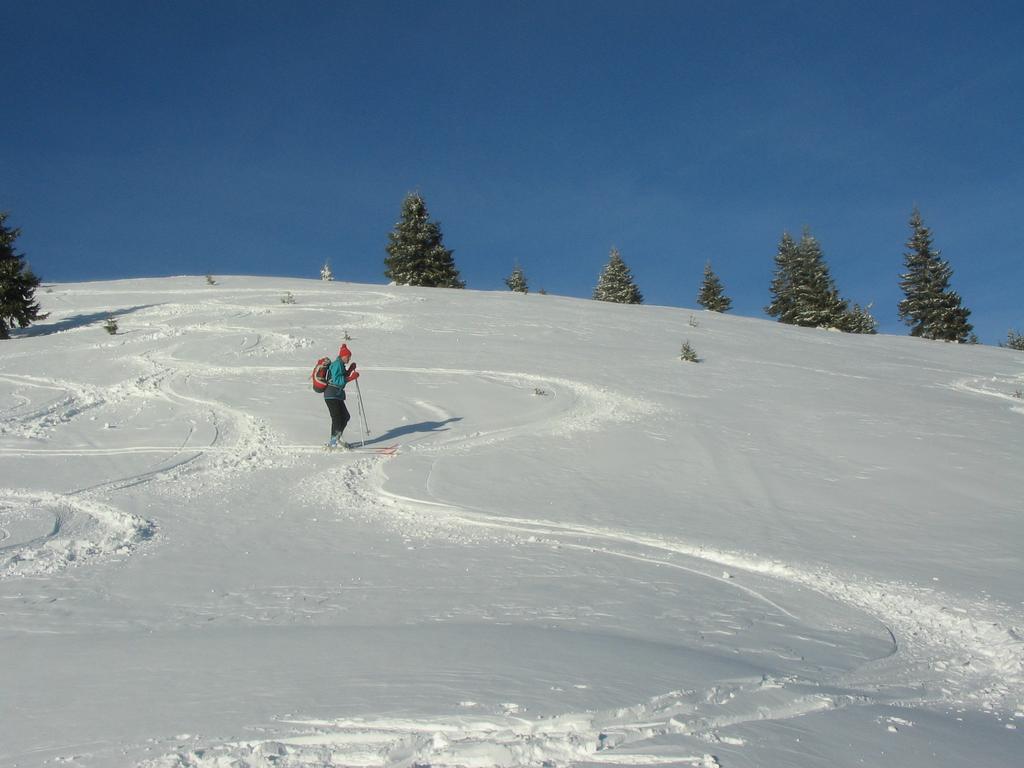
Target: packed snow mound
{"x":508,"y":740}
{"x":43,"y":533}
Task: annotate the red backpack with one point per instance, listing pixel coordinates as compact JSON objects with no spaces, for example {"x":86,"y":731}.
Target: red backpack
{"x":319,"y":375}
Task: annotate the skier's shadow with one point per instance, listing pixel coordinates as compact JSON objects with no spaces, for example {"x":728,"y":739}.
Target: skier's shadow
{"x":413,"y":429}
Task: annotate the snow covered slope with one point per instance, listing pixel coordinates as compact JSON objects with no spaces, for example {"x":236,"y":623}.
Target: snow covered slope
{"x":804,"y":550}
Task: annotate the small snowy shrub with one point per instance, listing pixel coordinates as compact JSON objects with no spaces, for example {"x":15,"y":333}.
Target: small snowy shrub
{"x":539,"y":392}
{"x":517,"y":281}
{"x":288,"y":298}
{"x":693,"y":322}
{"x":687,"y":353}
{"x":210,"y":280}
{"x":1014,"y":340}
{"x":110,"y":326}
{"x":325,"y":272}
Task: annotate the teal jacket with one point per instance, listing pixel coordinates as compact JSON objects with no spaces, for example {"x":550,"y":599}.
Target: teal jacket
{"x":335,"y":381}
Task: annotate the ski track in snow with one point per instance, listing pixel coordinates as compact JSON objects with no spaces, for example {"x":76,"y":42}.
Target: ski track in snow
{"x":957,"y":654}
{"x":88,"y":530}
{"x":1009,"y":388}
{"x":83,"y":531}
{"x":74,"y":400}
{"x":241,"y":441}
{"x":589,"y":408}
{"x":964,"y":654}
{"x":973,"y":652}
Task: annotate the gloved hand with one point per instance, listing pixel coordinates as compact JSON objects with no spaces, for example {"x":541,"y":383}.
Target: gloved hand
{"x":351,"y":368}
{"x":352,"y":376}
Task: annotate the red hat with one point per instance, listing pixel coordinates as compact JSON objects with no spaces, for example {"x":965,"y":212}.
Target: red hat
{"x":344,"y":351}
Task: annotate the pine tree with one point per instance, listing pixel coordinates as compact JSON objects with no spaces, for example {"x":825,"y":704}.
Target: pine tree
{"x":930,"y":308}
{"x":712,"y":294}
{"x":325,"y":272}
{"x":1014,"y":340}
{"x":784,"y":281}
{"x":17,"y":284}
{"x":517,"y":281}
{"x":858,"y":320}
{"x":616,"y":283}
{"x":820,"y":305}
{"x":416,"y":253}
{"x":803,"y":290}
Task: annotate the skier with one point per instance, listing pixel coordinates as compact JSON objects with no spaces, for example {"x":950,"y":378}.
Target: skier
{"x":339,"y":374}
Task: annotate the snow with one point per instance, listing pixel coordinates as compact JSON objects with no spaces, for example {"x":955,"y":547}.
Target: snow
{"x":804,"y":550}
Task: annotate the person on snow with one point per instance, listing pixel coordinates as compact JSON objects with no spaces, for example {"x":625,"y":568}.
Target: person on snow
{"x":338,"y":375}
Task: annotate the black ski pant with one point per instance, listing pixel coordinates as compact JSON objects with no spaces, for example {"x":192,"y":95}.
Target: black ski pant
{"x":339,"y":416}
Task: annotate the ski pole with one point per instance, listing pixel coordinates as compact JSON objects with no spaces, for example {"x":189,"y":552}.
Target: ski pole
{"x":362,"y":411}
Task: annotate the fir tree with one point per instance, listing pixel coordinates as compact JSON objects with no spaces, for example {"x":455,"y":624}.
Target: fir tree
{"x":803,"y":290}
{"x":616,"y":283}
{"x":326,"y":273}
{"x":17,"y":284}
{"x":416,"y":253}
{"x":712,"y":294}
{"x":784,"y":281}
{"x":858,"y":320}
{"x":820,"y":305}
{"x":930,"y":308}
{"x":517,"y":281}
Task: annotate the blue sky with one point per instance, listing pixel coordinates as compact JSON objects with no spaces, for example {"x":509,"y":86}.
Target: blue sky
{"x":157,"y":138}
